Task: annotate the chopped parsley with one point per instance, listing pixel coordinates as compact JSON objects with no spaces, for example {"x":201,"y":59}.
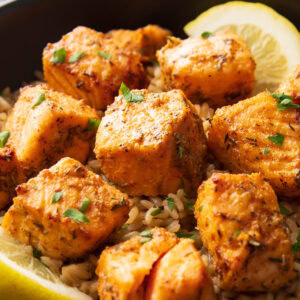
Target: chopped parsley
{"x":186,"y":235}
{"x":266,"y":150}
{"x":155,"y":63}
{"x":4,"y":136}
{"x":283,"y":210}
{"x":237,"y":232}
{"x":76,"y":215}
{"x":171,"y":203}
{"x":200,"y":208}
{"x":145,"y":240}
{"x":146,"y":233}
{"x":35,"y":187}
{"x":180,"y":151}
{"x":284,"y":101}
{"x":156,"y":212}
{"x":59,"y":56}
{"x":277,"y":139}
{"x":296,"y":247}
{"x":93,"y":124}
{"x":123,"y":227}
{"x":85,"y":204}
{"x":129,"y":97}
{"x":36,"y":253}
{"x":206,"y":34}
{"x":39,"y":100}
{"x":56,"y":197}
{"x":104,"y":54}
{"x":189,"y":206}
{"x":75,"y":57}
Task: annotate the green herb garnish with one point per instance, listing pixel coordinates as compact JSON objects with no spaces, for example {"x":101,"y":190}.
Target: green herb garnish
{"x":4,"y":136}
{"x":59,"y":56}
{"x":171,"y":203}
{"x":36,"y":253}
{"x":266,"y":150}
{"x":75,"y":57}
{"x":186,"y":235}
{"x":39,"y":100}
{"x":145,"y":240}
{"x":76,"y":215}
{"x":56,"y":197}
{"x":189,"y":206}
{"x":155,"y":212}
{"x":277,"y":139}
{"x":200,"y":208}
{"x":146,"y":233}
{"x":206,"y":34}
{"x":180,"y":151}
{"x":85,"y":204}
{"x":123,"y":227}
{"x":35,"y":187}
{"x":155,"y":63}
{"x":237,"y":232}
{"x":93,"y":124}
{"x":284,"y":101}
{"x":283,"y":210}
{"x":129,"y":97}
{"x":104,"y":54}
{"x":296,"y":247}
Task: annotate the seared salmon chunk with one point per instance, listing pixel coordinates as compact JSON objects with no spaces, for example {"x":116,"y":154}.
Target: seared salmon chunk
{"x":241,"y":227}
{"x":66,"y":211}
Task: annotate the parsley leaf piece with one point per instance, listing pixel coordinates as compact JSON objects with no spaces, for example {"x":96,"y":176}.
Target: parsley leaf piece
{"x":4,"y":136}
{"x":129,"y":97}
{"x":104,"y":54}
{"x":85,"y":204}
{"x":200,"y":208}
{"x":56,"y":197}
{"x":189,"y":206}
{"x":75,"y":57}
{"x":206,"y":34}
{"x":155,"y":63}
{"x":36,"y":253}
{"x":171,"y":203}
{"x":237,"y":232}
{"x":296,"y":246}
{"x":35,"y":187}
{"x":277,"y":139}
{"x":76,"y":215}
{"x":180,"y":151}
{"x":93,"y":124}
{"x":283,"y":210}
{"x":59,"y":56}
{"x":39,"y":100}
{"x":146,"y":233}
{"x":123,"y":227}
{"x":266,"y":150}
{"x":284,"y":102}
{"x":145,"y":240}
{"x":186,"y":235}
{"x":156,"y":212}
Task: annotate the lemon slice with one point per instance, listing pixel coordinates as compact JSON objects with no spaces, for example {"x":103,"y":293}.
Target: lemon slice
{"x":25,"y":277}
{"x":274,"y":40}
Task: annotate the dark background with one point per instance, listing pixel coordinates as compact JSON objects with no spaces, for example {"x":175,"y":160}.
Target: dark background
{"x":27,"y":25}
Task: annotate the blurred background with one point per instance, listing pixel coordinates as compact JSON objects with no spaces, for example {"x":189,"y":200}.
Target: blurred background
{"x":27,"y":25}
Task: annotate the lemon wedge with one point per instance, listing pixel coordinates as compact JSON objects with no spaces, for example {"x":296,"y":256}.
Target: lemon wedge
{"x":273,"y":40}
{"x":25,"y":277}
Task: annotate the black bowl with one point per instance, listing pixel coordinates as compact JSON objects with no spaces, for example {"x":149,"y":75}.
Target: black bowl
{"x":27,"y":25}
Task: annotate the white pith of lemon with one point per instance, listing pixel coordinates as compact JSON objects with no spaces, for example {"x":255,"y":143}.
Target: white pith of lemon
{"x":274,"y":41}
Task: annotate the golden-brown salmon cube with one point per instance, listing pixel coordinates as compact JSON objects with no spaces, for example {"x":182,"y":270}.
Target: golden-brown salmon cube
{"x":180,"y":275}
{"x":11,"y":174}
{"x":240,"y":224}
{"x":46,"y":125}
{"x":218,"y":69}
{"x":254,"y":135}
{"x":84,"y":64}
{"x":123,"y":267}
{"x":150,"y":146}
{"x":65,"y":211}
{"x":145,"y":40}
